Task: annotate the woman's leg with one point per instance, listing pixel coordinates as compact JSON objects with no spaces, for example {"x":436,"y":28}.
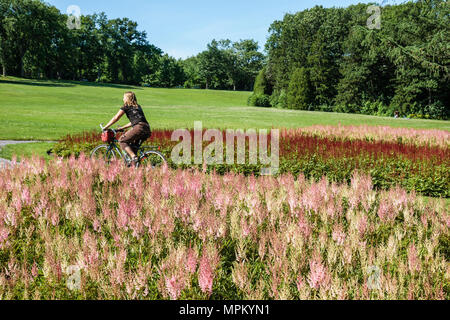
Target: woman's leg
{"x":128,"y":139}
{"x":138,"y":133}
{"x":130,"y":152}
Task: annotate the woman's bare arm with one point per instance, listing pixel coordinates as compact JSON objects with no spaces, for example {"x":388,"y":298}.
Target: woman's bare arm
{"x":115,"y":119}
{"x":126,"y":126}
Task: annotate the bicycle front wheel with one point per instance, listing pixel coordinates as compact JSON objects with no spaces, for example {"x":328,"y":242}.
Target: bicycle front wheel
{"x":106,"y":153}
{"x":153,"y":159}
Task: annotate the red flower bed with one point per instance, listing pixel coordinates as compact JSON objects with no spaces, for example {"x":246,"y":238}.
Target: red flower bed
{"x":422,"y":167}
{"x":334,"y":148}
{"x":301,"y":143}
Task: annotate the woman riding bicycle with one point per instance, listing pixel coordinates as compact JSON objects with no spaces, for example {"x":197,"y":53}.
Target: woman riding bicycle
{"x":140,"y":127}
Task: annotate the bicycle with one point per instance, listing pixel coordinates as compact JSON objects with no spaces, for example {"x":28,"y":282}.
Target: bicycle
{"x":110,"y":152}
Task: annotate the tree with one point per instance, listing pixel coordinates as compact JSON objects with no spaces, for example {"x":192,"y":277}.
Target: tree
{"x":146,"y":60}
{"x":262,"y":85}
{"x":191,"y":69}
{"x":36,"y":42}
{"x":299,"y":92}
{"x":213,"y":65}
{"x":419,"y":49}
{"x":28,"y":28}
{"x":248,"y":61}
{"x":403,"y":66}
{"x":227,"y":65}
{"x":169,"y":74}
{"x":3,"y":38}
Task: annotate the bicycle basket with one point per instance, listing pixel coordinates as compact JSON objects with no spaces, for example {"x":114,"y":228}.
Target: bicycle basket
{"x":108,"y":136}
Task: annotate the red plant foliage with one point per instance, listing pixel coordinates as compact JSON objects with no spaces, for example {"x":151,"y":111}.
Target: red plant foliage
{"x":300,"y":143}
{"x":334,"y":148}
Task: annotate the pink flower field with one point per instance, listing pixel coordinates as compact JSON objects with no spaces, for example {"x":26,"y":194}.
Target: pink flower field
{"x":78,"y":229}
{"x":417,"y":137}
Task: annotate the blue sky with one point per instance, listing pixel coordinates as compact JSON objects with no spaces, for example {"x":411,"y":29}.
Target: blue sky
{"x":183,"y":28}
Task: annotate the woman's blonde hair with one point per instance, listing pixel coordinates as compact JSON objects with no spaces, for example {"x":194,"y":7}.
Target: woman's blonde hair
{"x":130,"y":99}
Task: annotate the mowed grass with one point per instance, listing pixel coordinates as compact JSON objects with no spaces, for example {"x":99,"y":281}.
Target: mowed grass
{"x":26,"y":150}
{"x":48,"y":110}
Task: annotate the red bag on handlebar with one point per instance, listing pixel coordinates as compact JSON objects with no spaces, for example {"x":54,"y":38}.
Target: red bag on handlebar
{"x":108,"y":136}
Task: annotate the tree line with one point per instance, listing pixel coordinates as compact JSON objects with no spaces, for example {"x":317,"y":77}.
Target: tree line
{"x":36,"y":42}
{"x":225,"y":65}
{"x":330,"y":60}
{"x":318,"y":59}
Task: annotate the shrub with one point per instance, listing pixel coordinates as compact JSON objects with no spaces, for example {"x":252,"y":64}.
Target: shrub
{"x":346,"y":108}
{"x":437,"y":110}
{"x":262,"y":85}
{"x":274,"y":99}
{"x":374,"y":108}
{"x":279,"y":99}
{"x":259,"y":100}
{"x":299,"y":92}
{"x":325,"y":108}
{"x":282,"y":100}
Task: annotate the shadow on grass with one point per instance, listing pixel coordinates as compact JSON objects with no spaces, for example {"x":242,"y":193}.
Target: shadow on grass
{"x":36,"y":83}
{"x":68,"y":84}
{"x":107,"y":85}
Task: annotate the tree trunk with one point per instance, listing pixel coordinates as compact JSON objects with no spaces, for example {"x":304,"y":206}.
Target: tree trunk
{"x":22,"y":71}
{"x":4,"y":71}
{"x":207,"y":86}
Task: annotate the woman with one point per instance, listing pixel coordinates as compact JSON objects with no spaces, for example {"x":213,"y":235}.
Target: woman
{"x":140,"y":127}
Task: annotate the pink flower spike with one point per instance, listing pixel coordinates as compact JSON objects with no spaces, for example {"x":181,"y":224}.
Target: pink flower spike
{"x":318,"y":276}
{"x":205,"y":275}
{"x":173,"y":287}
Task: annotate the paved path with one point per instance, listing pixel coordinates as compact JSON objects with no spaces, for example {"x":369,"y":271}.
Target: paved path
{"x":4,"y":162}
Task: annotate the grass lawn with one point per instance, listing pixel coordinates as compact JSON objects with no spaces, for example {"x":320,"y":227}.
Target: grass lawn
{"x":48,"y":110}
{"x":26,"y":150}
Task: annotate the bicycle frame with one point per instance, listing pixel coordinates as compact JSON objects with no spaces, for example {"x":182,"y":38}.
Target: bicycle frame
{"x":113,"y":147}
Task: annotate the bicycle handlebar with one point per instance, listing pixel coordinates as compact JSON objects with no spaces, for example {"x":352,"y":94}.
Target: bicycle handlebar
{"x":114,"y":131}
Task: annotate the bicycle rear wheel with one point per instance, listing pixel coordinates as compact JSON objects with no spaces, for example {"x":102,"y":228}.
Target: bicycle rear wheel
{"x":106,"y":153}
{"x":153,"y":159}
